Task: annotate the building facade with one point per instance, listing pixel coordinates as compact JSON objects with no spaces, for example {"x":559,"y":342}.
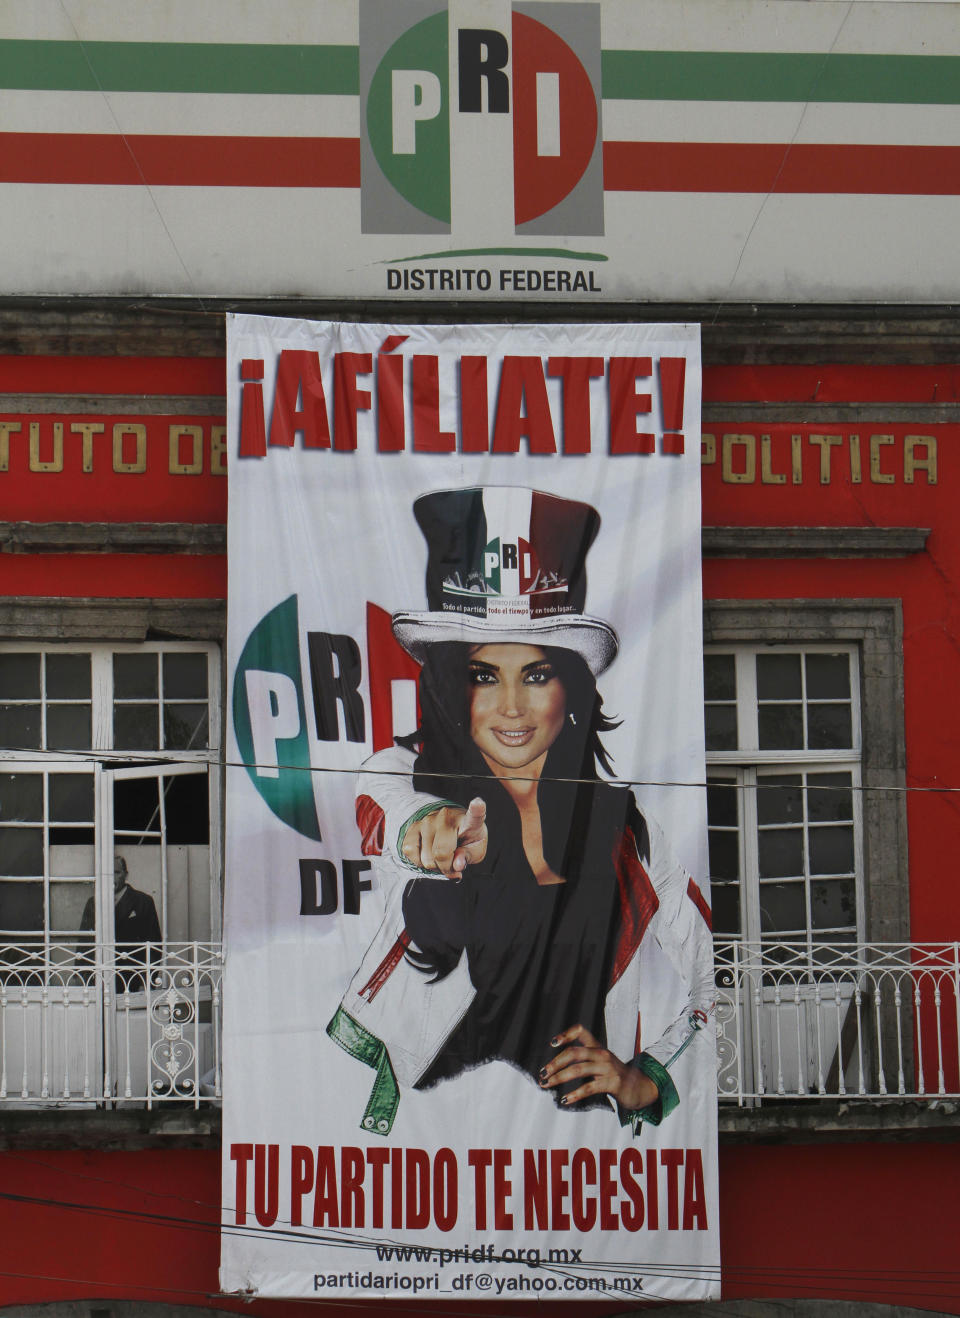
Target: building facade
{"x":831,"y":569}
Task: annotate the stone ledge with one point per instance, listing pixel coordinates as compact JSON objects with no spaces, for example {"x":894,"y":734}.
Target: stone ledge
{"x":173,"y":405}
{"x":779,"y":1121}
{"x":112,"y":538}
{"x":820,"y":1121}
{"x":121,"y":1128}
{"x":34,"y":618}
{"x":741,"y":333}
{"x":813,"y":541}
{"x":808,"y":412}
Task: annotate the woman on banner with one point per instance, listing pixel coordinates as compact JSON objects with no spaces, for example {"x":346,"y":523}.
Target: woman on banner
{"x":535,"y":882}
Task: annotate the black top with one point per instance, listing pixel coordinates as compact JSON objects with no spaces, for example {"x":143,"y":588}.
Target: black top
{"x":539,"y":957}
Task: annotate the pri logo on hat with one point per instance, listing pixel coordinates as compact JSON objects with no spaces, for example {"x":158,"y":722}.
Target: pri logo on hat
{"x":507,"y":564}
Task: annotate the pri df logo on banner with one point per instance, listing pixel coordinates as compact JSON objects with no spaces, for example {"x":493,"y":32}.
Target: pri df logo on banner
{"x":437,"y":95}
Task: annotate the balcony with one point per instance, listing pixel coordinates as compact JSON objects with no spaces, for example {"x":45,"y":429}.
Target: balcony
{"x":874,"y":1021}
{"x":140,"y":1027}
{"x":109,"y":1026}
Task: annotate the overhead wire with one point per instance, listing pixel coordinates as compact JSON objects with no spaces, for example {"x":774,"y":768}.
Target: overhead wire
{"x":157,"y":759}
{"x":799,"y":1275}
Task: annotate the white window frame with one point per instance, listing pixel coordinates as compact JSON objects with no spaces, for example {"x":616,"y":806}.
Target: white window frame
{"x":101,"y":689}
{"x":102,"y":756}
{"x":746,"y":766}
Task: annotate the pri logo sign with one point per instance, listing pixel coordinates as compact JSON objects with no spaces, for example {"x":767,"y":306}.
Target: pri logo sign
{"x":447,"y":97}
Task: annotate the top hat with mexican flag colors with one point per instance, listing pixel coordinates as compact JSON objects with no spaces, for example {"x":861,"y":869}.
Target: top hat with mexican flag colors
{"x":507,"y":564}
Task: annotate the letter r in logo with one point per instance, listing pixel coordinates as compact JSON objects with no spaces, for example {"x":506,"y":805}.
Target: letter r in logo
{"x":482,"y":55}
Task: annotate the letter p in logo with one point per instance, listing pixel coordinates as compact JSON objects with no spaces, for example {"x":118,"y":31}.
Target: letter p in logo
{"x":405,"y":117}
{"x":273,"y":703}
{"x":417,"y":94}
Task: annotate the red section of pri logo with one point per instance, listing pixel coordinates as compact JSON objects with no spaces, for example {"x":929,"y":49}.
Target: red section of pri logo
{"x":554,"y":132}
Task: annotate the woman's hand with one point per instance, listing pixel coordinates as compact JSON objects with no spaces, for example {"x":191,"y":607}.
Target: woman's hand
{"x":448,"y":839}
{"x":583,"y":1058}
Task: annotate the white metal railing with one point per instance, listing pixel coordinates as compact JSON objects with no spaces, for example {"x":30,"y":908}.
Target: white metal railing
{"x":83,"y":1024}
{"x":846,"y":1020}
{"x":91,"y":1025}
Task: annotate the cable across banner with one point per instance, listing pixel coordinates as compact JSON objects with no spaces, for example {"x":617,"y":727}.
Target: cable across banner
{"x":469,"y":975}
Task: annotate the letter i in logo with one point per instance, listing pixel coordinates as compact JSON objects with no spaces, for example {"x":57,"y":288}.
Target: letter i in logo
{"x":557,"y":151}
{"x":405,"y":114}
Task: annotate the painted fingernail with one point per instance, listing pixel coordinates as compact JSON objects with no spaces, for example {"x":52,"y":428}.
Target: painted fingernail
{"x":543,"y":1073}
{"x":555,"y":1043}
{"x":563,"y":1102}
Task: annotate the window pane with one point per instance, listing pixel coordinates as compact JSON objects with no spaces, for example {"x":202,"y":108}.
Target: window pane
{"x":782,"y":908}
{"x":187,"y":806}
{"x":68,"y":902}
{"x":719,"y":677}
{"x":780,"y":727}
{"x":720,"y":727}
{"x":21,"y":905}
{"x":21,"y":796}
{"x":19,"y":677}
{"x":781,"y":852}
{"x":20,"y":727}
{"x":68,"y":727}
{"x":68,"y":677}
{"x":829,"y":727}
{"x":831,"y":850}
{"x":184,"y":727}
{"x":778,"y":677}
{"x":184,"y":677}
{"x":780,"y":799}
{"x":725,"y":901}
{"x":833,"y":904}
{"x":722,"y":804}
{"x":828,"y":677}
{"x":830,"y":797}
{"x":135,"y":676}
{"x":21,"y":851}
{"x":136,"y":805}
{"x":724,"y":855}
{"x":136,"y":727}
{"x":72,"y":859}
{"x":71,"y":797}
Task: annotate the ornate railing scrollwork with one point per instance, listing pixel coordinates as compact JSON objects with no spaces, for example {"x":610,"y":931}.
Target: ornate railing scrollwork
{"x":173,"y":1016}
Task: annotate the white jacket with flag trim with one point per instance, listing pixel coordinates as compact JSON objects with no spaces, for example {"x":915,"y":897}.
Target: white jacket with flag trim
{"x":393,"y":1019}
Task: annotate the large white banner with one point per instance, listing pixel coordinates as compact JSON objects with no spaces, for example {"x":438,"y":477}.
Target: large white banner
{"x":469,"y":1046}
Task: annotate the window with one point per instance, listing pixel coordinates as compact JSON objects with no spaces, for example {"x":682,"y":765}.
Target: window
{"x":75,"y":797}
{"x":807,"y":830}
{"x":805,"y":699}
{"x":109,"y":752}
{"x":783,"y":745}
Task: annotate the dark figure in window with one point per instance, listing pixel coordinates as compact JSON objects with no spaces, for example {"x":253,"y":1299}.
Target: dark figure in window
{"x":135,"y":923}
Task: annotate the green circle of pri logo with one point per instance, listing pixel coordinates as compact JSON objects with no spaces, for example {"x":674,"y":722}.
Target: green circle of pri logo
{"x":408,"y":117}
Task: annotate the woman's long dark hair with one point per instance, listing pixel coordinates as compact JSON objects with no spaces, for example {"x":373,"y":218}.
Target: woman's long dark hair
{"x":450,"y":766}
